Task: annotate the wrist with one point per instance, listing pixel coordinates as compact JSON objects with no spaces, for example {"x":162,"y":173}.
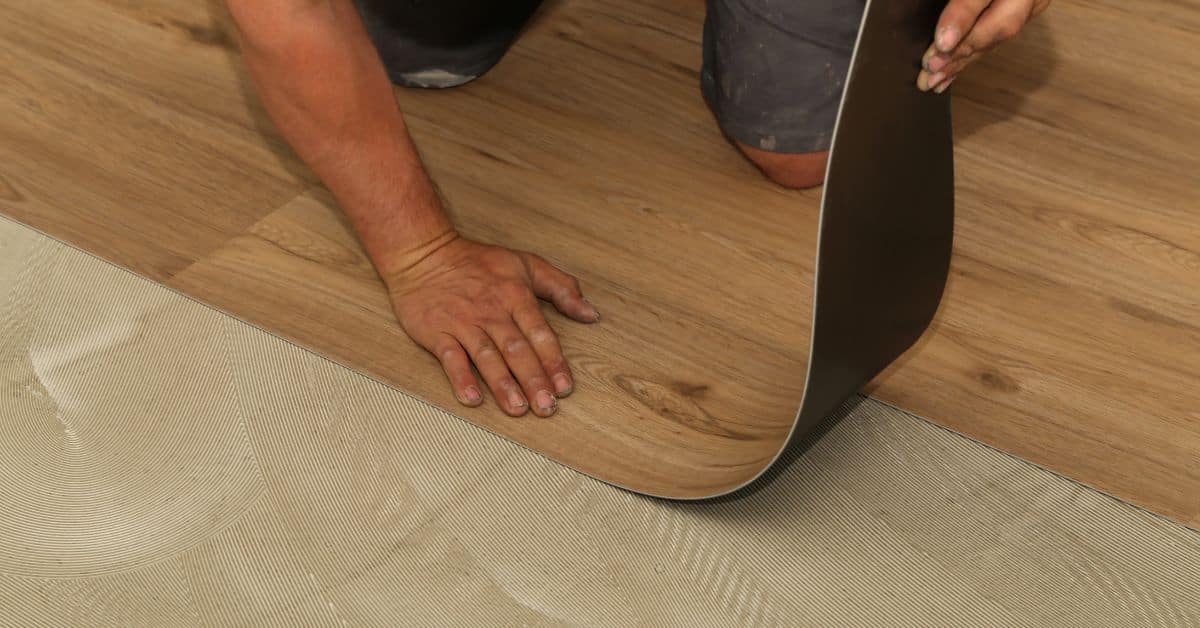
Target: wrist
{"x":396,"y":266}
{"x":401,"y":232}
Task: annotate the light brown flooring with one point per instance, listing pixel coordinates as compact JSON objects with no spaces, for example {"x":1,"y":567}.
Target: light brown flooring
{"x":686,"y":388}
{"x":1070,"y":332}
{"x":127,"y":128}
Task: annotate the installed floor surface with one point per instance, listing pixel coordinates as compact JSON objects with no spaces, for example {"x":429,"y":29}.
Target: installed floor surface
{"x":127,"y":128}
{"x":687,"y":386}
{"x":162,"y":463}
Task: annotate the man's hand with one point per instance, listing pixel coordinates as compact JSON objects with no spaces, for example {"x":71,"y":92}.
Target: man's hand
{"x":325,"y":87}
{"x":967,"y":29}
{"x":467,"y":303}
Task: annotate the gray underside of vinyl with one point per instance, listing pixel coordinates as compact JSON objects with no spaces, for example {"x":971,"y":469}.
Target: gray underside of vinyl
{"x":162,"y":463}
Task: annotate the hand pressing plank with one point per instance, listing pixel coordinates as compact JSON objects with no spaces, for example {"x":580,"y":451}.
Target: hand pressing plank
{"x":322,"y":81}
{"x":467,"y":302}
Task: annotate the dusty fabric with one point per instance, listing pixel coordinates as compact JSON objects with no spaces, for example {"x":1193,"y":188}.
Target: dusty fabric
{"x":165,"y":464}
{"x":773,"y":72}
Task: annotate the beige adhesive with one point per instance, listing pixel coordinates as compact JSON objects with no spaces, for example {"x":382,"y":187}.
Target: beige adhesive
{"x":164,"y":464}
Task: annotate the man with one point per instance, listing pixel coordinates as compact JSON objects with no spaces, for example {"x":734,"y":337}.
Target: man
{"x":772,"y":75}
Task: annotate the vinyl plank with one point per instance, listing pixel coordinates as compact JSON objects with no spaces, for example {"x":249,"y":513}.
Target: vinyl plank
{"x":655,"y":405}
{"x":117,"y":138}
{"x":1069,"y":330}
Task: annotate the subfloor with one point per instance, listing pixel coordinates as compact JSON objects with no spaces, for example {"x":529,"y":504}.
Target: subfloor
{"x":166,"y":464}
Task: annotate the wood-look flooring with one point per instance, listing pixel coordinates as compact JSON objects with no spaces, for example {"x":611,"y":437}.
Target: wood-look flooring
{"x":1069,"y":331}
{"x":593,"y":160}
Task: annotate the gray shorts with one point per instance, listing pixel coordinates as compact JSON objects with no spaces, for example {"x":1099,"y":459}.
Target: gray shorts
{"x":773,"y":69}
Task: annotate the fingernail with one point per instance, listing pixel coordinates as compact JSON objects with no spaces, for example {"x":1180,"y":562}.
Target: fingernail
{"x":562,"y":385}
{"x":595,"y":314}
{"x":944,"y":86}
{"x":947,"y":38}
{"x":516,"y":400}
{"x":935,"y":64}
{"x":546,"y":401}
{"x":473,"y":395}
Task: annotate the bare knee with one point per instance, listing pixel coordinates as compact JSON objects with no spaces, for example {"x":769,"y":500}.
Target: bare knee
{"x":797,"y":171}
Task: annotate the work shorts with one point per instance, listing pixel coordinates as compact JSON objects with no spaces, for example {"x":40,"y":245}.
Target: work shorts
{"x":773,"y":70}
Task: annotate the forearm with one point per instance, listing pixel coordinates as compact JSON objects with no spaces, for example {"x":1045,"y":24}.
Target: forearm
{"x":324,"y":87}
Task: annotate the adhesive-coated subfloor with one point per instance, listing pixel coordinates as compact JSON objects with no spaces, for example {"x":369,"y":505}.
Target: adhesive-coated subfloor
{"x":162,"y":463}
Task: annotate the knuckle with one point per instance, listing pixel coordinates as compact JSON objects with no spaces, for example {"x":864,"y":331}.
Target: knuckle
{"x":1008,"y":30}
{"x":513,"y":290}
{"x":514,"y":346}
{"x":462,"y":311}
{"x":443,"y":346}
{"x":485,"y":349}
{"x":489,"y":320}
{"x":490,"y":307}
{"x":959,"y":13}
{"x":542,"y":334}
{"x":423,"y":319}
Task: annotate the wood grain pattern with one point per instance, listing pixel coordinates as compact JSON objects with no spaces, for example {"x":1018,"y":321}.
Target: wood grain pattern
{"x":682,"y":390}
{"x":300,"y":272}
{"x":125,"y":131}
{"x":1067,"y":336}
{"x":1070,"y":332}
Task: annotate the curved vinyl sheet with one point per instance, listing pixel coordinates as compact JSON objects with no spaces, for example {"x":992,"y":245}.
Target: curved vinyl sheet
{"x":722,"y":340}
{"x":886,"y":222}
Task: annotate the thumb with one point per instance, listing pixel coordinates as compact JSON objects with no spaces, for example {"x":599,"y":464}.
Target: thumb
{"x":561,"y":289}
{"x":957,"y":20}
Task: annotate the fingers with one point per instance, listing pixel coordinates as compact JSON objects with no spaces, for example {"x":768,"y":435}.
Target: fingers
{"x":524,"y":363}
{"x":458,"y":369}
{"x":968,"y":28}
{"x":927,"y":80}
{"x":560,"y":289}
{"x":520,"y":362}
{"x":957,"y":20}
{"x":956,"y":67}
{"x":940,"y":81}
{"x":1001,"y":22}
{"x":545,"y":344}
{"x":490,"y":362}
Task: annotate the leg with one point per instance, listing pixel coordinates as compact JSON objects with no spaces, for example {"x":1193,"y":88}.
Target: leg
{"x":774,"y":74}
{"x":445,"y":43}
{"x":796,"y":171}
